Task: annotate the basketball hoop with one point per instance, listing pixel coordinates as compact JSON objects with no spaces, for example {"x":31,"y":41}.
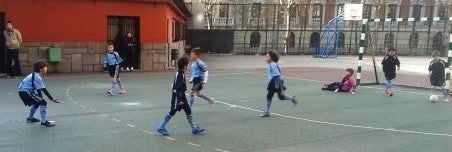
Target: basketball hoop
{"x":353,"y":12}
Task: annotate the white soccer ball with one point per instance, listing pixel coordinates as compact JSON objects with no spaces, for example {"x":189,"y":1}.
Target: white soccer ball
{"x":433,"y":98}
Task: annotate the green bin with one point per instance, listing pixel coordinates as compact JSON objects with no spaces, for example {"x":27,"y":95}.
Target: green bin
{"x":54,"y":55}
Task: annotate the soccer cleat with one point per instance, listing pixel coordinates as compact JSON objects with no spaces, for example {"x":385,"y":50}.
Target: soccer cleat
{"x":32,"y":120}
{"x":197,"y":130}
{"x":122,"y":91}
{"x":211,"y":103}
{"x":386,"y":91}
{"x":294,"y":101}
{"x":264,"y":114}
{"x":111,"y":93}
{"x":162,"y":132}
{"x":47,"y":124}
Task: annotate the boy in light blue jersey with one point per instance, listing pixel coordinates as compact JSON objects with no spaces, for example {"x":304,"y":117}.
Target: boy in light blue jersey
{"x":112,"y":61}
{"x":275,"y":84}
{"x":199,"y":76}
{"x":30,"y":92}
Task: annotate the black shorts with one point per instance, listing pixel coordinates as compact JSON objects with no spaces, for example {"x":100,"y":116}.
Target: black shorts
{"x":31,"y":98}
{"x":113,"y":71}
{"x":197,"y":84}
{"x":437,"y":82}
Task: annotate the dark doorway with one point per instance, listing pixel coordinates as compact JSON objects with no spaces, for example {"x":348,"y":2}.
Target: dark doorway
{"x":2,"y":44}
{"x":117,"y":27}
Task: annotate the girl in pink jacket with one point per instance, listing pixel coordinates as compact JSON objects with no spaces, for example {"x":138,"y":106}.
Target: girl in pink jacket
{"x":348,"y":83}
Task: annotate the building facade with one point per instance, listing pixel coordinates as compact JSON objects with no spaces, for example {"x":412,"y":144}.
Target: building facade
{"x":81,"y":28}
{"x":263,"y":25}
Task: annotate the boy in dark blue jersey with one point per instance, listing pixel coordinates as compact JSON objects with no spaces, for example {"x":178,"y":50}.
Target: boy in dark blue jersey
{"x":30,"y":92}
{"x":112,"y":61}
{"x":389,"y":63}
{"x":178,"y":100}
{"x":437,"y":74}
{"x":199,"y":76}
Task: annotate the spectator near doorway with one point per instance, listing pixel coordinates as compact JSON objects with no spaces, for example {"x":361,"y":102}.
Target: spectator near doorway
{"x":130,"y":51}
{"x":13,"y":40}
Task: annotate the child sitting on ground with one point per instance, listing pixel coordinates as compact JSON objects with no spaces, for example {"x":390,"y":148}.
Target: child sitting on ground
{"x":348,"y":83}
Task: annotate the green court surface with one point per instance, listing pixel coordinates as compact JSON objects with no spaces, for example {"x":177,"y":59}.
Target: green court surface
{"x":90,"y":120}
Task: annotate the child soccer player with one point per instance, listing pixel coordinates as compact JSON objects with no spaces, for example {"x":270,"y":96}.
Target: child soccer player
{"x":348,"y":83}
{"x":178,"y":100}
{"x":275,"y":83}
{"x":390,"y":61}
{"x":112,"y":61}
{"x":437,"y":74}
{"x":199,"y":75}
{"x":30,"y":91}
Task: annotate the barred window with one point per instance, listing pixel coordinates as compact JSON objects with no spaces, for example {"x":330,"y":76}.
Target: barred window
{"x":389,"y":40}
{"x":223,"y":10}
{"x":441,"y":10}
{"x":416,"y":13}
{"x":256,"y":9}
{"x":392,"y":11}
{"x":414,"y":40}
{"x":317,"y":10}
{"x":367,"y":11}
{"x":291,"y":40}
{"x":255,"y":39}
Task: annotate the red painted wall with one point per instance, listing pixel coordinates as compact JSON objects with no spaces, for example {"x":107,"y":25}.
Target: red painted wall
{"x":86,"y":20}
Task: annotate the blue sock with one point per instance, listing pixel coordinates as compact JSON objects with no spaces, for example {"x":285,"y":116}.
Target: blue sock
{"x":207,"y":98}
{"x":268,"y":106}
{"x":164,"y":121}
{"x":190,"y":122}
{"x":388,"y":85}
{"x":113,"y":86}
{"x":119,"y":84}
{"x":43,"y":113}
{"x":32,"y":111}
{"x":191,"y":100}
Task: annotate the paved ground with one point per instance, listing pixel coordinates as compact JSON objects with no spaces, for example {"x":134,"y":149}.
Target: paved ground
{"x":89,"y":120}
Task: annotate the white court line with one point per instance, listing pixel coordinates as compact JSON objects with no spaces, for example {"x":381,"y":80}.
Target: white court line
{"x":130,"y":125}
{"x":336,"y":124}
{"x":193,"y":144}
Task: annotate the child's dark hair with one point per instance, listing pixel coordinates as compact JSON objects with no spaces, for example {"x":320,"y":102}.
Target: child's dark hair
{"x":391,"y":49}
{"x":350,"y":70}
{"x":274,"y":56}
{"x":197,"y":51}
{"x":38,"y":65}
{"x":109,"y":43}
{"x":182,"y":62}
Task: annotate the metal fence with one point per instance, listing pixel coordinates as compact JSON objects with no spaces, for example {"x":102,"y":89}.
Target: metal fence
{"x":269,"y":21}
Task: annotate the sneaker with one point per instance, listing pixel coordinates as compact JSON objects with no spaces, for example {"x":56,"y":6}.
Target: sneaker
{"x":446,"y":99}
{"x":122,"y":91}
{"x":47,"y":124}
{"x":197,"y":130}
{"x":294,"y":101}
{"x":264,"y":114}
{"x":386,"y":91}
{"x":390,"y":93}
{"x":162,"y":132}
{"x":337,"y":90}
{"x":111,"y":93}
{"x":127,"y":69}
{"x":211,"y":103}
{"x":131,"y":68}
{"x":32,"y":120}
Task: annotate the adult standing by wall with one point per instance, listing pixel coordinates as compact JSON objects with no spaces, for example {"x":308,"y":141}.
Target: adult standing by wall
{"x":131,"y":52}
{"x":13,"y":40}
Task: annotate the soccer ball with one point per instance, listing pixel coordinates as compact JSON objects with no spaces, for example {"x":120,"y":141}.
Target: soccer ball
{"x":433,"y":98}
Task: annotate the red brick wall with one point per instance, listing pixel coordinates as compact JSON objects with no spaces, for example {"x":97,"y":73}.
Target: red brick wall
{"x":85,"y":20}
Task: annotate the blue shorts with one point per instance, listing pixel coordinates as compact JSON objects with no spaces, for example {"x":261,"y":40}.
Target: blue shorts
{"x":197,"y":84}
